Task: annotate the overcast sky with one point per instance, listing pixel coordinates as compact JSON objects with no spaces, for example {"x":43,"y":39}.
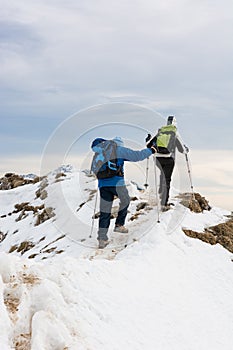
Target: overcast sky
{"x":60,"y":56}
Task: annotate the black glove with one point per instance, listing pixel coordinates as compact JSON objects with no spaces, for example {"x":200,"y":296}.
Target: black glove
{"x":153,"y":149}
{"x":150,"y":141}
{"x":148,"y":138}
{"x":186,"y":149}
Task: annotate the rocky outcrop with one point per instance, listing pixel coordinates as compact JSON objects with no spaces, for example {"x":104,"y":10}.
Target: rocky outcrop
{"x":141,"y":208}
{"x":11,"y":180}
{"x":222,"y":234}
{"x":42,"y":192}
{"x":45,"y":215}
{"x":60,"y":176}
{"x":22,"y":247}
{"x":41,"y":213}
{"x":195,"y":202}
{"x":2,"y":236}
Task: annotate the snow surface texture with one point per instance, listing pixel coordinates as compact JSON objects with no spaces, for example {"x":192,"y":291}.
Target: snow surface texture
{"x":164,"y":291}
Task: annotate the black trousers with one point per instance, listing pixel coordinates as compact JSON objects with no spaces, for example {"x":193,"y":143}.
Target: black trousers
{"x":166,"y":166}
{"x":107,"y":195}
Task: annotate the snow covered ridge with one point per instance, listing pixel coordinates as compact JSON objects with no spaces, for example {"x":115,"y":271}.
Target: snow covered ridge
{"x":53,"y":215}
{"x":164,"y":291}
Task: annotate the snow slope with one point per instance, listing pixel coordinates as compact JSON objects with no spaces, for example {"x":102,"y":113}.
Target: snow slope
{"x":164,"y":291}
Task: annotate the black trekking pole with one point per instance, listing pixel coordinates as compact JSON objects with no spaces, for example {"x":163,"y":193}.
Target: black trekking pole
{"x":147,"y":163}
{"x":93,"y":217}
{"x":156,"y":189}
{"x":147,"y":172}
{"x":189,"y":173}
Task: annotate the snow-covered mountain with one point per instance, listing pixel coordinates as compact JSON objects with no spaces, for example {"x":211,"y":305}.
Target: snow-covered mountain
{"x":165,"y":290}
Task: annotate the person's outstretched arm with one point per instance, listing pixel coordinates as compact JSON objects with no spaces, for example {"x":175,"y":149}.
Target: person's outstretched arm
{"x":133,"y":156}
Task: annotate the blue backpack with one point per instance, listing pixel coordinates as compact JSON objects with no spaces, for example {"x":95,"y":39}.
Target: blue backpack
{"x":104,"y":163}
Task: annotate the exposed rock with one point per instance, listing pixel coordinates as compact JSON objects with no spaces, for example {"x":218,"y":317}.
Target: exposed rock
{"x":42,"y":194}
{"x":11,"y":180}
{"x":36,"y":179}
{"x":140,"y":210}
{"x":42,"y":214}
{"x":91,"y":194}
{"x":47,"y":245}
{"x":25,"y":246}
{"x":45,"y":215}
{"x":2,"y":236}
{"x":141,"y":205}
{"x":44,"y":183}
{"x":13,"y":248}
{"x":8,"y":175}
{"x":22,"y":248}
{"x":32,"y":256}
{"x":21,"y":216}
{"x":195,"y":202}
{"x":114,"y":213}
{"x":207,"y":237}
{"x":50,"y":250}
{"x":132,"y":199}
{"x":59,"y":176}
{"x":26,"y":207}
{"x":222,"y":234}
{"x":17,"y":182}
{"x":22,"y":341}
{"x":81,"y":205}
{"x":135,"y":216}
{"x":88,"y":173}
{"x":59,"y":252}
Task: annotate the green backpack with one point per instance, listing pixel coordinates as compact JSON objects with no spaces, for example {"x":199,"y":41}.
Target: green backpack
{"x":166,"y":138}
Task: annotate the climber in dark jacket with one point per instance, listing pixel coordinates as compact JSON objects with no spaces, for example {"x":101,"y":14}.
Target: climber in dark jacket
{"x":166,"y":162}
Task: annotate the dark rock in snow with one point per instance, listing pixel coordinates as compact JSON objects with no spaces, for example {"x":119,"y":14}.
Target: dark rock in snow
{"x":221,"y":233}
{"x":195,"y":202}
{"x":11,"y":180}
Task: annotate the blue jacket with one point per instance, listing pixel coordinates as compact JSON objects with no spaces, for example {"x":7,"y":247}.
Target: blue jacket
{"x":124,"y":154}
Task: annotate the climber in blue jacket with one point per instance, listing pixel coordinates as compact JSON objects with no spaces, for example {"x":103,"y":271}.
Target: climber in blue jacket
{"x":110,"y":187}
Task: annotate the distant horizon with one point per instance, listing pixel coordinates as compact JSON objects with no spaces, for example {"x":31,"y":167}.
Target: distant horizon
{"x":214,"y":186}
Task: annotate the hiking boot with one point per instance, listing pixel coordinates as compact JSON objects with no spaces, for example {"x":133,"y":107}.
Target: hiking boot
{"x":121,"y":229}
{"x":165,"y":208}
{"x":103,"y":244}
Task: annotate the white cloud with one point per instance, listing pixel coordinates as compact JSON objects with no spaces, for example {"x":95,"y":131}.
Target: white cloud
{"x":107,"y":45}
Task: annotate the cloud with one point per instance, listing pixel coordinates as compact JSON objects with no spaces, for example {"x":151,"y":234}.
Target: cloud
{"x":174,"y":56}
{"x":109,"y":45}
{"x":16,"y":35}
